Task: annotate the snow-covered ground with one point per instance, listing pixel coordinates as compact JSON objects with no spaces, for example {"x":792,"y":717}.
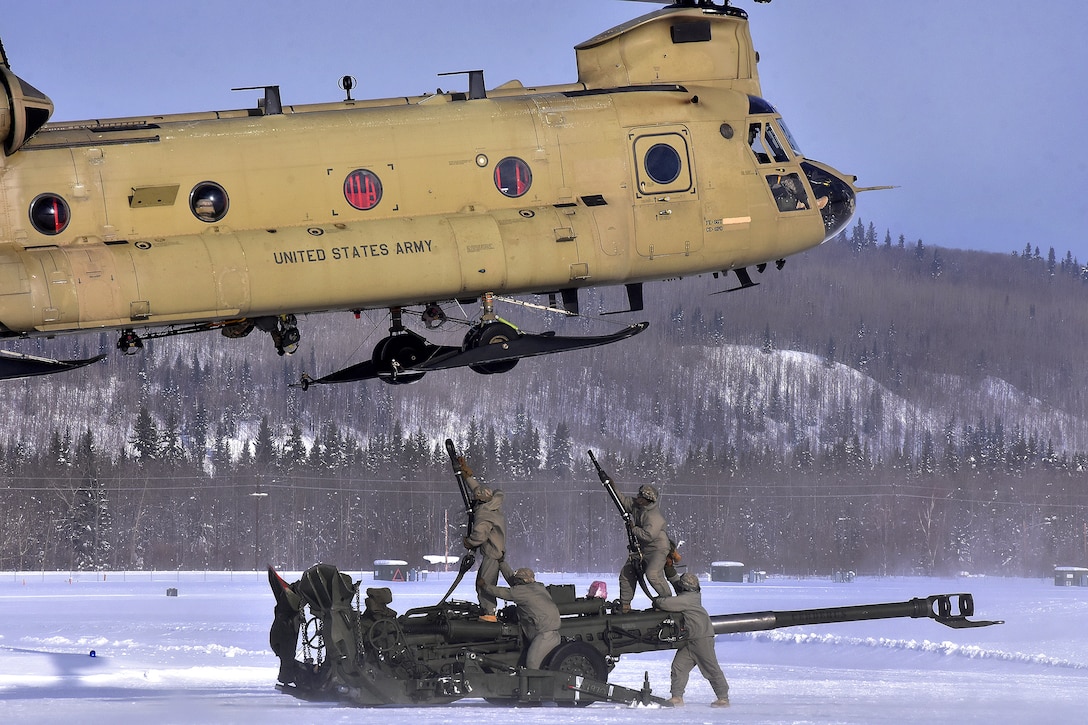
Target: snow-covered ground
{"x":203,"y":656}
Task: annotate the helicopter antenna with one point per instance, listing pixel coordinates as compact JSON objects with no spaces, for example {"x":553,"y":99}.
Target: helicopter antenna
{"x":346,"y":84}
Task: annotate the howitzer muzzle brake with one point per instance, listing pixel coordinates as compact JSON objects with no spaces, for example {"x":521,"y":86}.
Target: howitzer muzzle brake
{"x":941,"y":607}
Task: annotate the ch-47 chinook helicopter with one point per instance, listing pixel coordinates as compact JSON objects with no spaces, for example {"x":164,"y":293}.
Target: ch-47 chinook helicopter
{"x":662,"y":160}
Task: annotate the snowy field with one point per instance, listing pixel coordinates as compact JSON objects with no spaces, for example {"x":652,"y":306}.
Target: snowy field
{"x":203,"y":655}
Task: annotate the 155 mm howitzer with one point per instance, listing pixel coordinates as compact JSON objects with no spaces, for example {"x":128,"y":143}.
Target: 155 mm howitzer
{"x":332,"y":649}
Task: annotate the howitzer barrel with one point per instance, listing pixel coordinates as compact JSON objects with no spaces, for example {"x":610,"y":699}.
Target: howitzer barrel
{"x":948,"y":609}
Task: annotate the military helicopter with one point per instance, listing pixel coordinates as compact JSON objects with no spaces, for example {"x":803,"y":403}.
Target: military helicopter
{"x":662,"y":160}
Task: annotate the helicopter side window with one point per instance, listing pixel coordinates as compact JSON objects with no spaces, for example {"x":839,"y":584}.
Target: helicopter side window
{"x":755,"y":140}
{"x":788,"y":191}
{"x":513,"y":177}
{"x":49,"y":214}
{"x":363,"y":189}
{"x":775,"y":145}
{"x":209,"y":202}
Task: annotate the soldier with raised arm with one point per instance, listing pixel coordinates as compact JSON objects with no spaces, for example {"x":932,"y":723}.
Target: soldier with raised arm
{"x":648,"y":527}
{"x":488,"y":537}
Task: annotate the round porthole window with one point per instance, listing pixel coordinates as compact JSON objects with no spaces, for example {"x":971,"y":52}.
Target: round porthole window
{"x":49,"y":214}
{"x":663,"y":163}
{"x":209,"y":201}
{"x":513,"y":177}
{"x":363,"y":189}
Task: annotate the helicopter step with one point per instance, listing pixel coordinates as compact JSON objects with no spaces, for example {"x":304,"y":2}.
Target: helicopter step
{"x":489,"y":348}
{"x":19,"y":365}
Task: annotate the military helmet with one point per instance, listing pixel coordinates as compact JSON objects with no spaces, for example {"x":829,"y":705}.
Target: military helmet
{"x":689,"y":582}
{"x":484,"y":494}
{"x":525,"y":574}
{"x":647,"y":492}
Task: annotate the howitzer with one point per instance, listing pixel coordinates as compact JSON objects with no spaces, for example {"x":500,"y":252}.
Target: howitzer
{"x":609,"y":486}
{"x":442,"y":653}
{"x":462,"y":481}
{"x":632,"y":541}
{"x":470,"y":513}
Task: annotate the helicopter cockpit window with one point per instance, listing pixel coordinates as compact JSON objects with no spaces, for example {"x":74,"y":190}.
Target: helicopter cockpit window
{"x":775,"y":145}
{"x":208,"y":201}
{"x":363,"y":189}
{"x":788,"y":191}
{"x":49,"y":214}
{"x":755,"y":140}
{"x":513,"y":177}
{"x":789,"y":138}
{"x":662,"y":163}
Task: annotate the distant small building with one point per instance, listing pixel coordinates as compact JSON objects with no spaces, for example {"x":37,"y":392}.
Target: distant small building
{"x":727,"y":571}
{"x":1070,"y":576}
{"x":393,"y":570}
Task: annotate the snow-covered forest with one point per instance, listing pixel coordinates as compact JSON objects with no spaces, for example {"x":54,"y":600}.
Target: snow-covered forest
{"x":877,"y":406}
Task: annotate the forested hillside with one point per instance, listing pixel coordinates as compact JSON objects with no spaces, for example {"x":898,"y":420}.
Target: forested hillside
{"x":878,"y":405}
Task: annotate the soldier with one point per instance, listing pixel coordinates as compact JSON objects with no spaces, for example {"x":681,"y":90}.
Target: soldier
{"x":699,"y":647}
{"x":537,"y":613}
{"x":488,"y":537}
{"x":648,"y":526}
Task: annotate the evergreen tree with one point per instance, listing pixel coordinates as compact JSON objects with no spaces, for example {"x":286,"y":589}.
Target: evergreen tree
{"x":294,"y":450}
{"x":145,"y":436}
{"x":91,"y":527}
{"x":264,"y":447}
{"x":560,"y":457}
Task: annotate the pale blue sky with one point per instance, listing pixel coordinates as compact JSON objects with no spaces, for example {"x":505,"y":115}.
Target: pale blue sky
{"x":973,"y":108}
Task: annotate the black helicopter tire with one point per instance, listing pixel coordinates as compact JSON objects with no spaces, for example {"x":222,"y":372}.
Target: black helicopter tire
{"x":493,"y":333}
{"x":404,"y":350}
{"x":577,"y":658}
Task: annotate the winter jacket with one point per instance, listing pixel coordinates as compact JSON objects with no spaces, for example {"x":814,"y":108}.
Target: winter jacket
{"x":489,"y":528}
{"x":690,"y":604}
{"x":648,"y":525}
{"x":536,"y":611}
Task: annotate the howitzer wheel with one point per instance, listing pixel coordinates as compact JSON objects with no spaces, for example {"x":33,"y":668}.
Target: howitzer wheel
{"x":577,"y":658}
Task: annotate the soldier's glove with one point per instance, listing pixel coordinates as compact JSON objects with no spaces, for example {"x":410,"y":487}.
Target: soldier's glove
{"x":465,"y":542}
{"x":463,"y":465}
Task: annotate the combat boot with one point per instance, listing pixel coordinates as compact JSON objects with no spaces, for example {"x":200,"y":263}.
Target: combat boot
{"x":675,"y":701}
{"x":720,"y":702}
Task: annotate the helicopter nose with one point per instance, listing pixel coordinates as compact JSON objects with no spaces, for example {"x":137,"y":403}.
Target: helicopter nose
{"x":835,"y":196}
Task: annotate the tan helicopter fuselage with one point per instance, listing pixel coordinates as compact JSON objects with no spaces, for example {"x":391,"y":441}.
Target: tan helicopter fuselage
{"x":575,"y":204}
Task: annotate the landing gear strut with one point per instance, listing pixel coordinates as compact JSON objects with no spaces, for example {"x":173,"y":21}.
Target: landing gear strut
{"x":129,"y":343}
{"x":402,"y":349}
{"x":284,"y":332}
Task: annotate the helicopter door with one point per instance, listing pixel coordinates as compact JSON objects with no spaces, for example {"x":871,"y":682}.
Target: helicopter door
{"x":480,"y":249}
{"x":667,"y":209}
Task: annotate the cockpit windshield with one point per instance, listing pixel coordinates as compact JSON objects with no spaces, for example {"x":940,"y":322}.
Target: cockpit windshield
{"x":789,"y":137}
{"x":775,"y":145}
{"x":765,"y":144}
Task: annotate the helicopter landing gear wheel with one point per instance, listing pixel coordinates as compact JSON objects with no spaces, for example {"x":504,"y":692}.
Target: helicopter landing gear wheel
{"x":581,"y":659}
{"x":491,"y":333}
{"x":396,"y":353}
